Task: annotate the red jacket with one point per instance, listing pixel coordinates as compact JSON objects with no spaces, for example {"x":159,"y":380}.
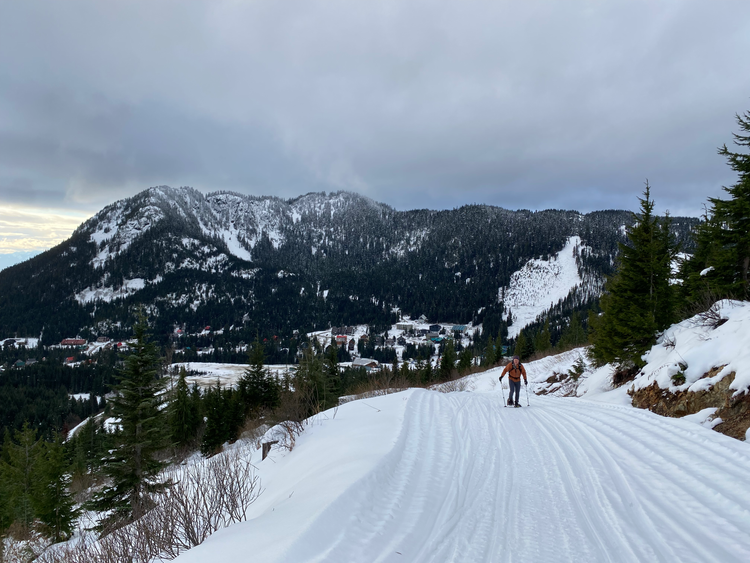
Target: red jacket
{"x":515,"y":373}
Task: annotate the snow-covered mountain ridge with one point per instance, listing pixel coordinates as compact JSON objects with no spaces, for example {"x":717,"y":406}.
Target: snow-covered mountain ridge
{"x":215,"y":259}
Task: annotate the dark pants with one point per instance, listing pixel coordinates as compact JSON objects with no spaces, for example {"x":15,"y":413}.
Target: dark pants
{"x":515,"y":387}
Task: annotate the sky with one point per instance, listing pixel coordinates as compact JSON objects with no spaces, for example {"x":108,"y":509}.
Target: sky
{"x":418,"y":104}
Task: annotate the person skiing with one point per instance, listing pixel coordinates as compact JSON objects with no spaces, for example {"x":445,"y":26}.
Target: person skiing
{"x":514,"y":370}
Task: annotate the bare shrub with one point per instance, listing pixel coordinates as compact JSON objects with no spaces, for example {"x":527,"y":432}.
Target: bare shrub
{"x":706,"y":309}
{"x":383,"y":382}
{"x":456,"y":385}
{"x":285,"y":433}
{"x":711,"y":317}
{"x":203,"y":498}
{"x":669,"y":341}
{"x":22,"y":544}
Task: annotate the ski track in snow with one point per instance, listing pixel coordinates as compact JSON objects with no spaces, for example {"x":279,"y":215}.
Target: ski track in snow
{"x":564,"y":480}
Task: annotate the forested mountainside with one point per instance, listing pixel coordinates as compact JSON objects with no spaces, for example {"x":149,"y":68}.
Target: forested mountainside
{"x":277,"y":265}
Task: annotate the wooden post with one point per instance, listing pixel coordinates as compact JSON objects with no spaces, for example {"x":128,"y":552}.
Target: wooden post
{"x":267,"y":448}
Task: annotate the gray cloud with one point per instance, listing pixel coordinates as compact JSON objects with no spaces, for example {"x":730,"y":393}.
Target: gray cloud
{"x":415,"y":103}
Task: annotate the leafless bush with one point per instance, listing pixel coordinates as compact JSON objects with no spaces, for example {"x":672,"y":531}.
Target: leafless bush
{"x":456,"y":385}
{"x":706,"y":309}
{"x":669,"y":341}
{"x":22,"y":544}
{"x":286,"y":432}
{"x":203,"y":498}
{"x":382,"y":382}
{"x":711,"y":317}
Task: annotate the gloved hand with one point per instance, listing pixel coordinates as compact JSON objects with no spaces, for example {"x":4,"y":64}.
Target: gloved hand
{"x":501,"y":379}
{"x":525,"y":382}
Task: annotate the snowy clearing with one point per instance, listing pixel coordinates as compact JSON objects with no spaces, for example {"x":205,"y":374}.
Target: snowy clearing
{"x":539,"y":285}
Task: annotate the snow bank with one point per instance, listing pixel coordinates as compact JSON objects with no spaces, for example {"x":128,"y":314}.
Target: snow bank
{"x":694,"y":347}
{"x":338,"y":449}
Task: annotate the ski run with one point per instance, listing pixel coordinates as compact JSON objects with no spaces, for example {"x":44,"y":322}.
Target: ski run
{"x":425,"y":476}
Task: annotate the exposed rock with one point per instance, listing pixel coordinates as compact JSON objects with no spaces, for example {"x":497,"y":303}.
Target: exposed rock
{"x":558,"y":384}
{"x":733,"y":411}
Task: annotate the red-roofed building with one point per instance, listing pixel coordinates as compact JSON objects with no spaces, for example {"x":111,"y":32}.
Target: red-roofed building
{"x":73,"y":342}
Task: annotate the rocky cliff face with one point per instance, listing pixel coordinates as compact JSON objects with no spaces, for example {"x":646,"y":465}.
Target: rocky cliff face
{"x":732,"y":409}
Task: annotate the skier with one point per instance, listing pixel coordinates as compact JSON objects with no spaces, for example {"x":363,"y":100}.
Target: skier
{"x":514,"y":370}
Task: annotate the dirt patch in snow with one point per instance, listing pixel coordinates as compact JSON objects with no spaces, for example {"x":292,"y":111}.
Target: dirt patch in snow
{"x":733,"y":411}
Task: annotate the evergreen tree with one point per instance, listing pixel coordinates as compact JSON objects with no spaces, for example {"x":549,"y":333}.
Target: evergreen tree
{"x":543,"y":341}
{"x":332,"y":385}
{"x":465,"y":360}
{"x":6,"y":497}
{"x":258,"y":388}
{"x":574,"y":334}
{"x":448,"y":362}
{"x":428,"y":373}
{"x":143,"y":434}
{"x":490,"y":359}
{"x":499,"y":348}
{"x":183,"y":414}
{"x":638,"y":300}
{"x":20,"y":469}
{"x":521,"y":346}
{"x":215,"y":432}
{"x":720,"y":266}
{"x":54,"y":504}
{"x":309,"y":382}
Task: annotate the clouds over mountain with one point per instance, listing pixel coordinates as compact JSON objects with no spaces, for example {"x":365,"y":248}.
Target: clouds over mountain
{"x":535,"y":104}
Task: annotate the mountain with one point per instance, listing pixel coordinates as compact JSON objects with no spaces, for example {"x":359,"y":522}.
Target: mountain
{"x":274,"y":265}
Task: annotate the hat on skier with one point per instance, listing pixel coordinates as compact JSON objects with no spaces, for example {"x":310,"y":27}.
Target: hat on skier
{"x":516,"y":358}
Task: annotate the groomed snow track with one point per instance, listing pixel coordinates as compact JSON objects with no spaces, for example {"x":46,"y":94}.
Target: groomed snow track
{"x":564,"y":480}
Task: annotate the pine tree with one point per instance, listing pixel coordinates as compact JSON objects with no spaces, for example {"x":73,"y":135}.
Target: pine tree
{"x":54,"y":505}
{"x":499,"y":347}
{"x":215,"y":433}
{"x":448,"y":362}
{"x":20,"y":473}
{"x":574,"y":334}
{"x":542,"y":341}
{"x":720,"y":266}
{"x":332,"y":385}
{"x":428,"y":373}
{"x":183,"y":414}
{"x":309,"y":381}
{"x":490,"y":359}
{"x":144,"y":433}
{"x":465,"y":359}
{"x":521,"y":346}
{"x":638,"y":300}
{"x":258,"y":388}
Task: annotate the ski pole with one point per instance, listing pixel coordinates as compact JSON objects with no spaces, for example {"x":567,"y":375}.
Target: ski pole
{"x":527,"y":393}
{"x":501,"y":390}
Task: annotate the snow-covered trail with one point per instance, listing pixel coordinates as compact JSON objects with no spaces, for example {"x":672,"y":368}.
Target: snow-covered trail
{"x":564,"y":480}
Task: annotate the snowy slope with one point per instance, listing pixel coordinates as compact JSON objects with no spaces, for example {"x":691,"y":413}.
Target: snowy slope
{"x":695,"y":346}
{"x":539,"y":285}
{"x":423,"y":476}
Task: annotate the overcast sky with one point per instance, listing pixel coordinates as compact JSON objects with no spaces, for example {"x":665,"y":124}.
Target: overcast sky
{"x":530,"y":104}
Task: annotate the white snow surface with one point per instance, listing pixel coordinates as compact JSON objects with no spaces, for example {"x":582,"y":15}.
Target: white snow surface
{"x":109,"y":293}
{"x":693,"y":347}
{"x":424,"y":476}
{"x":539,"y":285}
{"x":225,"y":375}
